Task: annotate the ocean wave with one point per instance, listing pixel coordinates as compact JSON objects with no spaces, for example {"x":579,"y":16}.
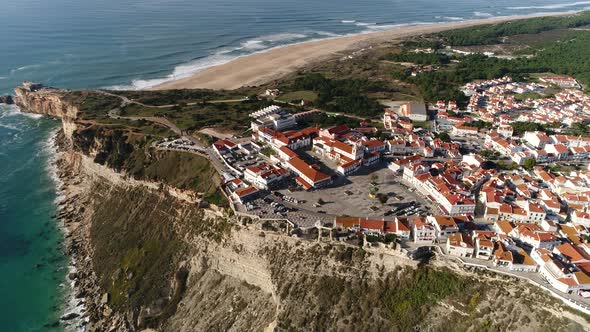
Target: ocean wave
{"x":453,"y":18}
{"x":179,"y":72}
{"x":227,"y":54}
{"x":27,"y":67}
{"x":482,"y":14}
{"x":10,"y":127}
{"x":556,"y":6}
{"x":348,"y":21}
{"x":13,"y":110}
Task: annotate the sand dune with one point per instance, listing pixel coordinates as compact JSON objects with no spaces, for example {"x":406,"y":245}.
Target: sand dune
{"x":266,"y":66}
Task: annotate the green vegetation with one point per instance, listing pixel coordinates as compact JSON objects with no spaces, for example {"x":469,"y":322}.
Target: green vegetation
{"x":230,"y":116}
{"x":348,"y":96}
{"x":407,"y":305}
{"x":419,"y":58}
{"x":297,"y":96}
{"x":324,"y":120}
{"x":268,"y":151}
{"x":522,"y":127}
{"x":568,"y":57}
{"x":138,"y":240}
{"x":579,"y":129}
{"x":422,"y":124}
{"x":528,"y":95}
{"x":529,"y":164}
{"x":129,"y":152}
{"x":492,"y":34}
{"x":480,"y":124}
{"x":173,"y":97}
{"x":137,"y":251}
{"x":92,"y":105}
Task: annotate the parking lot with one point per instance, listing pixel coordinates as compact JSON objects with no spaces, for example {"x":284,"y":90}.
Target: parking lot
{"x":350,"y":196}
{"x":180,"y":144}
{"x":273,"y":207}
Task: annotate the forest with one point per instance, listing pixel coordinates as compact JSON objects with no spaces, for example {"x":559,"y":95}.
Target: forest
{"x":567,"y":57}
{"x":343,"y":96}
{"x":492,"y":33}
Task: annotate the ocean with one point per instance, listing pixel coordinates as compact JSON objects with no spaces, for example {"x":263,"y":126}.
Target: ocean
{"x":134,"y":44}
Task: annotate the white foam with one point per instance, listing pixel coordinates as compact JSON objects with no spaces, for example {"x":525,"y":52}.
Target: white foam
{"x":347,"y":21}
{"x":13,"y":110}
{"x":10,"y":127}
{"x":25,"y":68}
{"x":326,"y":33}
{"x":555,"y":6}
{"x":482,"y":14}
{"x":364,"y":24}
{"x":453,"y":18}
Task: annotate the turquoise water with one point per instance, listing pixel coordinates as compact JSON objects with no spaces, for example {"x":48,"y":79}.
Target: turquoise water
{"x":32,"y":265}
{"x":135,"y":44}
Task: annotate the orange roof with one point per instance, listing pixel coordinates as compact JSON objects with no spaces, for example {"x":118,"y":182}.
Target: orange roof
{"x":347,"y":222}
{"x":570,"y":252}
{"x":307,"y":170}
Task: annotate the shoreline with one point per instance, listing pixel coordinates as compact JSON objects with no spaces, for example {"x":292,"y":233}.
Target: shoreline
{"x":271,"y":64}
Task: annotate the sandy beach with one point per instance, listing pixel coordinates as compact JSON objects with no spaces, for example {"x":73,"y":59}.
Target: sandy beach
{"x":259,"y":68}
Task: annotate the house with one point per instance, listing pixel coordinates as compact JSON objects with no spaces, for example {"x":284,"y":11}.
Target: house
{"x":272,"y":117}
{"x":531,"y":235}
{"x":414,"y":111}
{"x":463,"y":130}
{"x":560,"y":151}
{"x":224,"y":146}
{"x":334,"y":132}
{"x":349,"y":223}
{"x":561,"y":81}
{"x":443,"y":225}
{"x":422,"y":230}
{"x":536,"y":139}
{"x":308,"y":177}
{"x":264,"y":176}
{"x":513,"y":259}
{"x":561,"y":274}
{"x":460,"y":244}
{"x":400,"y":227}
{"x":503,"y":227}
{"x":246,"y":194}
{"x":372,"y":227}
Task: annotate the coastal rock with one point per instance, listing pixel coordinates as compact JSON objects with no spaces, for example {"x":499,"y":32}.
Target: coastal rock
{"x":105,"y":298}
{"x":81,"y":293}
{"x":69,"y":316}
{"x":73,"y":276}
{"x":6,"y":100}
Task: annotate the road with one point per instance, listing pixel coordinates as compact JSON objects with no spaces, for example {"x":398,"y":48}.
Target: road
{"x":209,"y":153}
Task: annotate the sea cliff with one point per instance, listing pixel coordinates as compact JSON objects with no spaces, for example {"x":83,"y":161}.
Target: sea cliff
{"x":149,"y":252}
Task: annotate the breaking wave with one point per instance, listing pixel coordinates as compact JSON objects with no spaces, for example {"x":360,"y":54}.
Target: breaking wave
{"x":482,"y":14}
{"x":556,"y":6}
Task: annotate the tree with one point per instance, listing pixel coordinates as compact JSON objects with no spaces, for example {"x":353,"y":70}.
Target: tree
{"x":373,"y":178}
{"x":382,"y":198}
{"x":529,"y":164}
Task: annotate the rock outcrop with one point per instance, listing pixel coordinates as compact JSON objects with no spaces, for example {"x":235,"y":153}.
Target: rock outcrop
{"x":35,"y":98}
{"x":6,"y":100}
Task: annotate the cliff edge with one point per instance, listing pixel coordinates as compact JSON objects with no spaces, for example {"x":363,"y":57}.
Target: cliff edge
{"x":148,"y":256}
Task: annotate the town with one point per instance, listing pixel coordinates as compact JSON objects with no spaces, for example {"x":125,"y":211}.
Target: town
{"x":469,"y":182}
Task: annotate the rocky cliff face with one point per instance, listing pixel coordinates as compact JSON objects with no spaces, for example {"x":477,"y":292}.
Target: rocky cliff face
{"x":47,"y":101}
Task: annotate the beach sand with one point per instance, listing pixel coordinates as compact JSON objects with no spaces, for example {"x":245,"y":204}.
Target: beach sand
{"x":260,"y":68}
